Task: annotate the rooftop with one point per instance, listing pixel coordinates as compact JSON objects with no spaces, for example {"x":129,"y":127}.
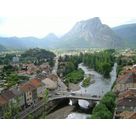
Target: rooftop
{"x":31,"y":85}
{"x":35,"y":82}
{"x":7,"y":94}
{"x":3,"y":101}
{"x":127,"y":102}
{"x":128,"y":77}
{"x":127,"y":93}
{"x":127,"y":115}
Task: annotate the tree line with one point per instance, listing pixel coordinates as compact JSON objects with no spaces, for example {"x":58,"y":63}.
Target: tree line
{"x":105,"y":109}
{"x":101,"y":62}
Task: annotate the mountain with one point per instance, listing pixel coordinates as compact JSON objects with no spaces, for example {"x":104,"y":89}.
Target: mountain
{"x":128,"y":33}
{"x":49,"y":41}
{"x":28,"y":42}
{"x":12,"y":43}
{"x":90,"y":33}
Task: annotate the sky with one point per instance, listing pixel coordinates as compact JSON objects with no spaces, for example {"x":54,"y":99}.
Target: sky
{"x":39,"y":17}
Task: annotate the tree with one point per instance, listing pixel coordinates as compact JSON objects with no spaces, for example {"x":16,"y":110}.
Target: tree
{"x":7,"y":115}
{"x":101,"y":112}
{"x":101,"y":62}
{"x":109,"y":101}
{"x":69,"y":68}
{"x":12,"y":110}
{"x":86,"y":81}
{"x":16,"y":108}
{"x":106,"y":69}
{"x":8,"y":112}
{"x":105,"y":109}
{"x":30,"y":116}
{"x":46,"y":93}
{"x":75,"y":77}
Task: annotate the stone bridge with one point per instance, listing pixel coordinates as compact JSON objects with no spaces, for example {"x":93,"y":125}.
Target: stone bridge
{"x":57,"y":98}
{"x":74,"y":97}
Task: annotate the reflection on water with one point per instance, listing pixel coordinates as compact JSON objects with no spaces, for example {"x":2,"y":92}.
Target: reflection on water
{"x":83,"y":104}
{"x":101,"y":85}
{"x":75,"y":115}
{"x":99,"y":88}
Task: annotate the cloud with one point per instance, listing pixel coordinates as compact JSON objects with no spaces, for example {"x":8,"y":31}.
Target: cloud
{"x":2,"y":20}
{"x":131,"y":21}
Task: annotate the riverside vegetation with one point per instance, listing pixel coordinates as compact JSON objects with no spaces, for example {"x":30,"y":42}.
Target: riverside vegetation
{"x":105,"y":109}
{"x":86,"y":81}
{"x":101,"y":62}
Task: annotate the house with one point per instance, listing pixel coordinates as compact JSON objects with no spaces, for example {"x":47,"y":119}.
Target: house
{"x":126,"y":104}
{"x":32,"y":68}
{"x":29,"y":69}
{"x":127,"y":115}
{"x":41,"y":76}
{"x":40,"y":87}
{"x":30,"y":90}
{"x":49,"y":84}
{"x":128,"y":80}
{"x":19,"y":96}
{"x":9,"y":96}
{"x":127,"y":93}
{"x":30,"y":93}
{"x":45,"y":67}
{"x":53,"y":77}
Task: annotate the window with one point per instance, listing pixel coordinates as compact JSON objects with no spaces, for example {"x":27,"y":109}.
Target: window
{"x":131,"y":108}
{"x":123,"y":107}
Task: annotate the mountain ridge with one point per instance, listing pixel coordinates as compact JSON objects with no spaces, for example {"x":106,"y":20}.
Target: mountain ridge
{"x":27,"y":42}
{"x":91,"y":33}
{"x":128,"y":33}
{"x":94,"y":33}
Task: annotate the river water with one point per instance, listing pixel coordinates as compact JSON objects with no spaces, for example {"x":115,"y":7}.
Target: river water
{"x":99,"y":88}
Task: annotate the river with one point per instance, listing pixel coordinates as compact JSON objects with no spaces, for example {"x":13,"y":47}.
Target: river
{"x":99,"y":88}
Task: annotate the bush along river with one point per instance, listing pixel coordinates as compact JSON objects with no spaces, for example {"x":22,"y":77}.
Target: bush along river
{"x":98,"y":88}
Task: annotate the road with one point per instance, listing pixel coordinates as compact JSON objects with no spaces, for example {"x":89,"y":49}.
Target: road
{"x":60,"y":95}
{"x":55,"y":68}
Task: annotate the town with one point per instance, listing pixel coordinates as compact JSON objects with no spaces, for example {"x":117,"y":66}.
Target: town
{"x":24,"y":82}
{"x":38,"y":81}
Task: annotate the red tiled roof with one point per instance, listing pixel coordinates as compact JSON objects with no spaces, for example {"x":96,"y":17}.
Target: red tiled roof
{"x":133,"y":116}
{"x":27,"y":87}
{"x":7,"y":94}
{"x":31,"y":85}
{"x":35,"y":82}
{"x":122,"y":77}
{"x":127,"y":93}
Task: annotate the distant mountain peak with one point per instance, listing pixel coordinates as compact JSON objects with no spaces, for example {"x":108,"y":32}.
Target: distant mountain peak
{"x":93,"y":33}
{"x":52,"y":36}
{"x":94,"y":20}
{"x":90,"y":25}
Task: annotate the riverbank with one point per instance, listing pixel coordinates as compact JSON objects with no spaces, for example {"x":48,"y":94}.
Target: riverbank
{"x":99,"y":87}
{"x":61,"y":113}
{"x":73,"y":87}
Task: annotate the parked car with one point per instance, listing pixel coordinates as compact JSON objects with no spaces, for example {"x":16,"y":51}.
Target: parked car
{"x":57,"y":93}
{"x":73,"y":94}
{"x":94,"y":96}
